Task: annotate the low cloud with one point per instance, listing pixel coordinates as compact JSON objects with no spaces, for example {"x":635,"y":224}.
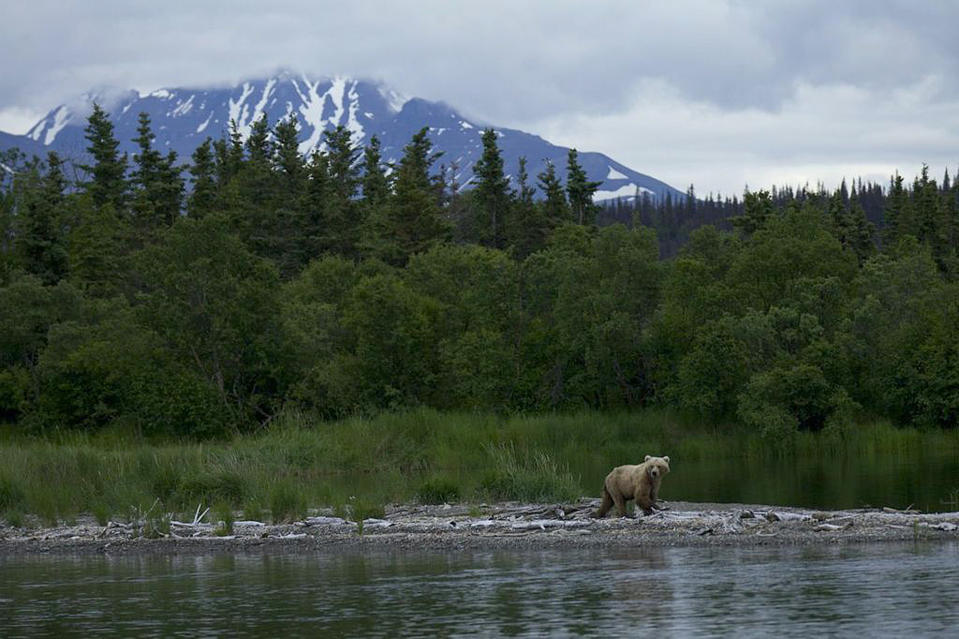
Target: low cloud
{"x":822,"y":133}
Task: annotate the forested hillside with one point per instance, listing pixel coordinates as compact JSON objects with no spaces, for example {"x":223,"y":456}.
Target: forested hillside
{"x":339,"y":285}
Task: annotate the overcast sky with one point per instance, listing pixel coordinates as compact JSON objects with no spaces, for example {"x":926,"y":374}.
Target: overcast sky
{"x":720,"y":94}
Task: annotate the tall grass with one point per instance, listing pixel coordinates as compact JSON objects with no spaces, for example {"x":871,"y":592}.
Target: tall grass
{"x":302,"y":463}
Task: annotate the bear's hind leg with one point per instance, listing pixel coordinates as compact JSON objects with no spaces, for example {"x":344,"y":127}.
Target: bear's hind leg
{"x":605,"y":506}
{"x":620,"y":504}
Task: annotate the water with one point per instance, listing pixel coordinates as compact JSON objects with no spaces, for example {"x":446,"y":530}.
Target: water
{"x":927,"y":480}
{"x":883,"y":590}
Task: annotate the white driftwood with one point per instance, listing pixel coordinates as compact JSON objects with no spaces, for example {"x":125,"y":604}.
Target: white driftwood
{"x":908,"y":510}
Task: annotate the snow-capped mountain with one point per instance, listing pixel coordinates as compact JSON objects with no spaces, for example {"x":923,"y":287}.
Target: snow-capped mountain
{"x":184,"y":118}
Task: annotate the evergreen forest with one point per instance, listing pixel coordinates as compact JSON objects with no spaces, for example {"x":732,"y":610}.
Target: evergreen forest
{"x":202,"y":298}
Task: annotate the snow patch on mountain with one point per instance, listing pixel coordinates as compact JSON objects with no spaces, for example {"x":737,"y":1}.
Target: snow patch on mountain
{"x":204,"y":124}
{"x":394,"y":100}
{"x":624,"y":191}
{"x":353,"y":124}
{"x":183,"y":107}
{"x":61,"y":117}
{"x":312,"y":111}
{"x":261,"y":105}
{"x":239,"y":109}
{"x":615,"y":175}
{"x":336,"y":93}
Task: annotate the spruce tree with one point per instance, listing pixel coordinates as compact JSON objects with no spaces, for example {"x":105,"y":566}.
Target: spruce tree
{"x":375,"y":186}
{"x":951,"y":205}
{"x":156,"y":181}
{"x":108,"y":184}
{"x":555,"y":207}
{"x":690,"y":202}
{"x":344,"y":171}
{"x":930,"y":224}
{"x":374,"y":183}
{"x":148,"y":159}
{"x":203,"y":198}
{"x":343,"y":222}
{"x":40,"y":238}
{"x":259,"y":148}
{"x":96,"y":247}
{"x":861,"y":230}
{"x":580,"y":191}
{"x":289,"y":198}
{"x":169,"y":188}
{"x":415,"y":221}
{"x":529,"y":225}
{"x":526,"y":190}
{"x":897,"y":213}
{"x":256,"y":177}
{"x":758,"y":210}
{"x":839,"y":219}
{"x":252,"y":194}
{"x":491,"y":194}
{"x":228,"y":154}
{"x":314,"y":231}
{"x":287,"y":161}
{"x":9,"y":158}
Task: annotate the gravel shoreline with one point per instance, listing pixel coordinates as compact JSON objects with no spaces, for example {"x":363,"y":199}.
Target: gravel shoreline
{"x":505,"y":526}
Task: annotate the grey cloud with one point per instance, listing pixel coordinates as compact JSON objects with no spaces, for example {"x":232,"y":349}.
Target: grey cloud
{"x":530,"y":64}
{"x":498,"y":60}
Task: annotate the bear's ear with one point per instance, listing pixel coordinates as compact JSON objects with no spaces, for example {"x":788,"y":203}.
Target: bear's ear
{"x":666,"y":458}
{"x":647,"y":458}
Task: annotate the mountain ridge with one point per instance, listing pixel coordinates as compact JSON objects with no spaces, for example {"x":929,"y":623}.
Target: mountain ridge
{"x":182,"y":118}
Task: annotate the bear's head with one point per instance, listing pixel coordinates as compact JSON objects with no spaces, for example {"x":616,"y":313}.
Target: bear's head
{"x":656,"y":467}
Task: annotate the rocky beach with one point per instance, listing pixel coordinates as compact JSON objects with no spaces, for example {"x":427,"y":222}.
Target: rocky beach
{"x":500,"y":525}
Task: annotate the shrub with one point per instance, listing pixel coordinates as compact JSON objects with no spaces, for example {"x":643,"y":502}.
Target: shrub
{"x":12,"y":495}
{"x":798,"y":395}
{"x":207,"y":487}
{"x":101,"y":512}
{"x":532,"y":477}
{"x":223,"y":513}
{"x":252,"y":511}
{"x":287,"y":502}
{"x":438,"y":490}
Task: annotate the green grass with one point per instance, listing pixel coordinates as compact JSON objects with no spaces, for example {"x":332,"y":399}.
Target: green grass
{"x":288,"y":501}
{"x":527,"y":476}
{"x":438,"y":490}
{"x":223,"y":514}
{"x":301,"y":463}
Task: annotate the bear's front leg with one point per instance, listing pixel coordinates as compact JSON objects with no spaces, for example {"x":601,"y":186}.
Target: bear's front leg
{"x":620,"y":503}
{"x":654,"y":499}
{"x":644,"y":501}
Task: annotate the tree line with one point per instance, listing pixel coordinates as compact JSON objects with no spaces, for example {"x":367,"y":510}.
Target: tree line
{"x":339,"y":284}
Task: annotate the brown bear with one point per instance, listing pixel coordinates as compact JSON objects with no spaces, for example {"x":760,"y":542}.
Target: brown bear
{"x":640,"y":482}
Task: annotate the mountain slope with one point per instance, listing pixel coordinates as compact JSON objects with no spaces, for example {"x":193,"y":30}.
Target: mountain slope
{"x":183,"y":118}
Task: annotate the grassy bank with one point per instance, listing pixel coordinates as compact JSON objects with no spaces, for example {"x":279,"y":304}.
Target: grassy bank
{"x":358,"y":465}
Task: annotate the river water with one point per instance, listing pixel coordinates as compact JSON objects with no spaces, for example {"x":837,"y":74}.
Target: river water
{"x":880,"y":589}
{"x":925,"y":479}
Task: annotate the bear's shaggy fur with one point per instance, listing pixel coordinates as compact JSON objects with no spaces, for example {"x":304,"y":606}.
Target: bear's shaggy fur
{"x":640,"y":482}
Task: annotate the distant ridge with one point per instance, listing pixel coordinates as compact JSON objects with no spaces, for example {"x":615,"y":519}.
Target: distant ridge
{"x":182,"y":118}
